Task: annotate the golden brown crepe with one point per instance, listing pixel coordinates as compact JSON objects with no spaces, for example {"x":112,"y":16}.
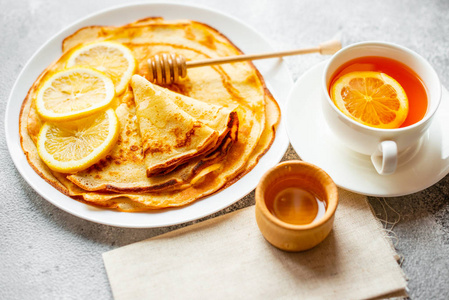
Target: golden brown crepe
{"x":124,"y":170}
{"x":170,"y":136}
{"x":119,"y":181}
{"x":216,"y":117}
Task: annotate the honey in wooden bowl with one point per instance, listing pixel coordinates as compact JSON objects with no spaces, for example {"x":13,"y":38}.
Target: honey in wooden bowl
{"x":295,"y":205}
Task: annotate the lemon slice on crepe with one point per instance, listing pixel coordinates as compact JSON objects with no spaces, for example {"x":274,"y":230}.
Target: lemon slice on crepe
{"x":69,"y":147}
{"x":74,"y":93}
{"x":112,"y":58}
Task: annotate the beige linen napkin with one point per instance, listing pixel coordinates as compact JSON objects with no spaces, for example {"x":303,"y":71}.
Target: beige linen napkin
{"x":228,"y":258}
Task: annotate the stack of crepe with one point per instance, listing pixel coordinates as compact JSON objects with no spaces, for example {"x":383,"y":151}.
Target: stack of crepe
{"x":177,"y":143}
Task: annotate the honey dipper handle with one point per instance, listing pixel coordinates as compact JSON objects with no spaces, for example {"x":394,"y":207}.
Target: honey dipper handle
{"x":326,"y":48}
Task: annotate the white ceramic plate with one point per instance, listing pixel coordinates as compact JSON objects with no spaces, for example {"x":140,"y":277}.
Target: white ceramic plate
{"x":313,"y":141}
{"x":276,"y":75}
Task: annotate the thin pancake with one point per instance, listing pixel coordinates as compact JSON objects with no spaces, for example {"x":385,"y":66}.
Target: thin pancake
{"x":124,"y":169}
{"x":170,"y":136}
{"x":233,"y":85}
{"x":210,"y":182}
{"x":215,"y":116}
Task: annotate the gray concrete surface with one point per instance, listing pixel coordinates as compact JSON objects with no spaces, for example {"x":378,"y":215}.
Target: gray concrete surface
{"x":46,"y":253}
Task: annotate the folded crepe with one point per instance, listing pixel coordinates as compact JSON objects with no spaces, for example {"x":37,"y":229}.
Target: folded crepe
{"x":217,"y":117}
{"x":124,"y":169}
{"x":175,"y":128}
{"x":170,"y":136}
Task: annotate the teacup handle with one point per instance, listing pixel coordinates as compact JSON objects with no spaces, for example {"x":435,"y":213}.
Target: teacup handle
{"x":385,"y":158}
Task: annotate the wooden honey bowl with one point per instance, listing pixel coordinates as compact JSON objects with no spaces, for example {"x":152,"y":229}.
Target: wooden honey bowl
{"x":286,"y":212}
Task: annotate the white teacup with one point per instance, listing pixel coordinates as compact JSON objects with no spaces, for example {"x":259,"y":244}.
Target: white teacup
{"x":383,"y":145}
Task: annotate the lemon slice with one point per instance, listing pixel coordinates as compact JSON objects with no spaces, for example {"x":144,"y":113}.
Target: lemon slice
{"x":116,"y":60}
{"x":74,"y":93}
{"x":69,"y":147}
{"x":371,"y":98}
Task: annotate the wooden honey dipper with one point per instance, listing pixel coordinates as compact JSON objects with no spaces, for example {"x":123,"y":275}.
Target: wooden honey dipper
{"x":168,"y":68}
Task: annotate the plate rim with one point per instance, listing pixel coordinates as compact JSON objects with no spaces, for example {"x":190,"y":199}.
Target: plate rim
{"x":34,"y":180}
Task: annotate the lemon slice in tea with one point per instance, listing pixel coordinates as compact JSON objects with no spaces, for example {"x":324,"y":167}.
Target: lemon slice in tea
{"x":371,"y":98}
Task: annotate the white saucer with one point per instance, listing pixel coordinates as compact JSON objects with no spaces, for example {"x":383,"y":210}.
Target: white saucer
{"x":313,"y":141}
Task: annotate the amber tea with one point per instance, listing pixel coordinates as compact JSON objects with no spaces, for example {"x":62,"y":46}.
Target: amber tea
{"x":407,"y":78}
